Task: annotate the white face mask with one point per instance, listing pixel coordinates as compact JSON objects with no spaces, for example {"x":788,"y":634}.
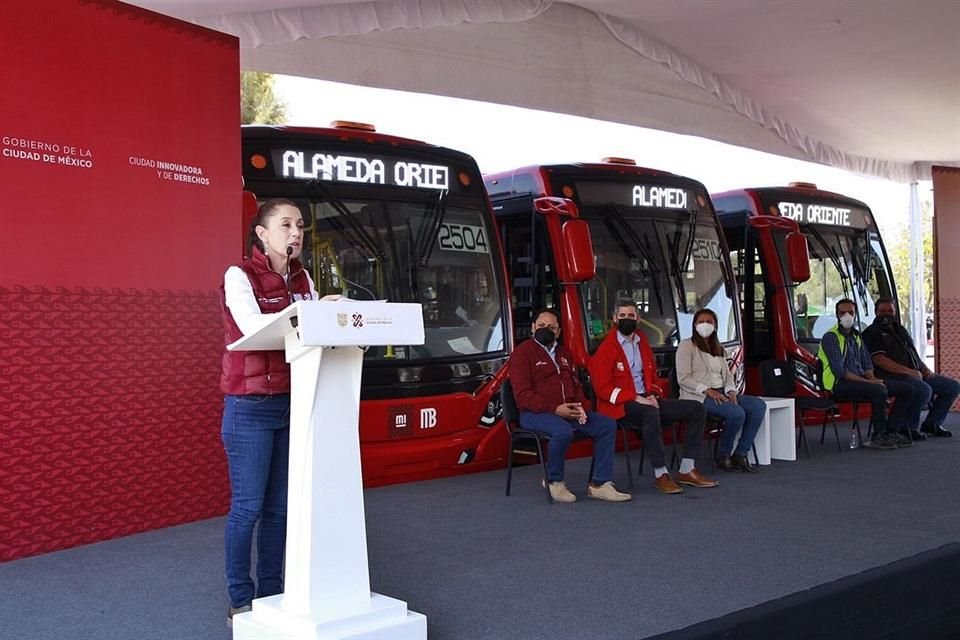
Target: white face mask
{"x":705,"y":329}
{"x":846,"y":320}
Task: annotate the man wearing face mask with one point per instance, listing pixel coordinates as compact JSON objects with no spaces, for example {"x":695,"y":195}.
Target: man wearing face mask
{"x":897,"y":359}
{"x":848,"y":374}
{"x":550,"y":401}
{"x":624,"y":376}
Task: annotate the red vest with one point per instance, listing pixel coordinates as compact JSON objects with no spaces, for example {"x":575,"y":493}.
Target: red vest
{"x":260,"y":372}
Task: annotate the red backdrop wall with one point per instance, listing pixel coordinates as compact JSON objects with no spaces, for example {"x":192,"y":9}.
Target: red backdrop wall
{"x":119,"y":174}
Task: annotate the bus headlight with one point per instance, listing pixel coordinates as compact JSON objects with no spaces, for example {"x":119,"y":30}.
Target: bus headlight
{"x":492,"y":413}
{"x":806,"y":374}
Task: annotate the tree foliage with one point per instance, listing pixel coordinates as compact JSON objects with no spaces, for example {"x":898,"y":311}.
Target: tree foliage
{"x":899,"y":251}
{"x":258,"y":103}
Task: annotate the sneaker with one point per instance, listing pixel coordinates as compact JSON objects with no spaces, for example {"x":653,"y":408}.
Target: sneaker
{"x":607,"y":492}
{"x":560,"y":493}
{"x":880,"y":441}
{"x":900,"y":439}
{"x":236,"y":610}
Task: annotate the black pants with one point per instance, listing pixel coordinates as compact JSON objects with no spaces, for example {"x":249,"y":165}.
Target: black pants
{"x":876,"y":395}
{"x":650,"y":420}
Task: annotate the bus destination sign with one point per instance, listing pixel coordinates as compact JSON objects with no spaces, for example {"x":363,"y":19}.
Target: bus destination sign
{"x":636,"y":195}
{"x":362,"y":169}
{"x":828,"y":214}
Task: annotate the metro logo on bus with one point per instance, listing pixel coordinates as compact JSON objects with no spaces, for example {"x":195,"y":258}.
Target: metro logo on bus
{"x":815,"y":213}
{"x":306,"y":165}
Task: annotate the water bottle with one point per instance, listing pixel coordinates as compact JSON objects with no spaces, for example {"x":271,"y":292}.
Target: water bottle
{"x":854,"y":438}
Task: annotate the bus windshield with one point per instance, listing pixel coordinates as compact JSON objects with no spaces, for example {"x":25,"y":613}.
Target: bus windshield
{"x":669,"y":266}
{"x":411,"y":249}
{"x":844,"y":263}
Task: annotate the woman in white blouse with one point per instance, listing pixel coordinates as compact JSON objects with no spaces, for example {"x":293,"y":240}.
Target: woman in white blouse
{"x":703,"y":375}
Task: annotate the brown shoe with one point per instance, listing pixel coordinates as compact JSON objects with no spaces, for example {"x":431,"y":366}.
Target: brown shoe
{"x":696,"y":479}
{"x":666,"y":484}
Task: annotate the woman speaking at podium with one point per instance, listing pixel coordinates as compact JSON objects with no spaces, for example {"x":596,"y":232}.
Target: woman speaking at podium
{"x":256,"y":411}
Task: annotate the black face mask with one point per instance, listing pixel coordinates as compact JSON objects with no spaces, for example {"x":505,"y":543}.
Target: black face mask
{"x":626,"y":326}
{"x":544,"y":336}
{"x":886,"y":321}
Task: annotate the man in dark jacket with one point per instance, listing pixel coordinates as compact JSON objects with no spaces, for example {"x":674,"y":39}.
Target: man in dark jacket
{"x":550,"y":401}
{"x":896,"y":358}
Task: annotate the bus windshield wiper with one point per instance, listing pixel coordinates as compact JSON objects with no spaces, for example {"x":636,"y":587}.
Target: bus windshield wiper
{"x":834,"y":258}
{"x":653,"y":270}
{"x":679,"y":266}
{"x":860,"y":277}
{"x":356,"y":234}
{"x":433,"y":216}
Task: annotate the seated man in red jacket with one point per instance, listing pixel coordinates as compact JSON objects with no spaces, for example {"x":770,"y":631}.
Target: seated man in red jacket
{"x":550,"y":400}
{"x":624,"y":376}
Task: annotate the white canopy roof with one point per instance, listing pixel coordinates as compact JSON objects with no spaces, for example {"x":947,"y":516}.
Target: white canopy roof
{"x":872,"y":86}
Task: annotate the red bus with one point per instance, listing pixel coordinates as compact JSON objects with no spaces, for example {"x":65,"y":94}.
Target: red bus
{"x":656,"y":241}
{"x":785,"y":318}
{"x":400,"y":220}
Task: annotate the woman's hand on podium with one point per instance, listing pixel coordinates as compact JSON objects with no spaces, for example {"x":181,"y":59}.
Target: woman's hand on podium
{"x":333,"y":296}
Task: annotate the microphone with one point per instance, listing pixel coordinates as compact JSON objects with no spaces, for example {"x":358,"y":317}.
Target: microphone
{"x":287,"y":279}
{"x":359,"y":286}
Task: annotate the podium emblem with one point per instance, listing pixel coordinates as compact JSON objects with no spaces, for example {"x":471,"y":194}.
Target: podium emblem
{"x":342,"y":319}
{"x":358,"y":320}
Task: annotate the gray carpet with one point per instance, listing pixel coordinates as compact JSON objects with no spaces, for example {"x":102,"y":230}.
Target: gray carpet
{"x":483,"y":566}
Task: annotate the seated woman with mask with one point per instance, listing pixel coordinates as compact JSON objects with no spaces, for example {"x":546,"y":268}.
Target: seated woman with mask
{"x":703,"y":375}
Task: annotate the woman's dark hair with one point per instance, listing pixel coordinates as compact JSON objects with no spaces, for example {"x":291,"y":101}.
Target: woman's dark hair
{"x":267,"y":210}
{"x":712,"y":344}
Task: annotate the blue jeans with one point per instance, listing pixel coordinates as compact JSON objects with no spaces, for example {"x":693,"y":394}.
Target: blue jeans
{"x":945,"y":391}
{"x":256,"y":438}
{"x":602,"y":429}
{"x":744,"y":418}
{"x":942,"y":389}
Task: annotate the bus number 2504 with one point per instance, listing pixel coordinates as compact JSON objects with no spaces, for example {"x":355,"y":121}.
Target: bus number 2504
{"x":462,"y":237}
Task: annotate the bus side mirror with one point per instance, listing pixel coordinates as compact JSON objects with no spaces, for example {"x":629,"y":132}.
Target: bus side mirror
{"x":798,"y":257}
{"x":578,"y":246}
{"x":248,"y":212}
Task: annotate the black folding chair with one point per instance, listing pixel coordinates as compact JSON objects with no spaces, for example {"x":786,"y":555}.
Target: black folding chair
{"x":511,"y":418}
{"x":778,"y":380}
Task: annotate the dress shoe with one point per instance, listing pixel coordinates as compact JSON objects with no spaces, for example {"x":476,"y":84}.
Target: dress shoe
{"x":696,"y":479}
{"x":917,"y":435}
{"x":936,"y":432}
{"x":607,"y":492}
{"x":725,"y":463}
{"x":666,"y":484}
{"x":742,"y":463}
{"x":560,"y":493}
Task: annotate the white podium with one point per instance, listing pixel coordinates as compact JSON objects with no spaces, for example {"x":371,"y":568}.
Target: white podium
{"x":327,"y":581}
